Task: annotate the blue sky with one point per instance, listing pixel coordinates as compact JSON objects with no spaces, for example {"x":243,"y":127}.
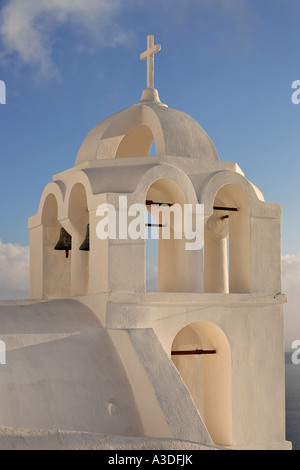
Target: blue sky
{"x":68,"y":64}
{"x":229,"y":64}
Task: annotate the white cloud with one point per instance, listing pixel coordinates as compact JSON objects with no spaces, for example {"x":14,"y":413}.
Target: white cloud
{"x":14,"y":271}
{"x":27,"y":27}
{"x":14,"y":283}
{"x":291,"y":287}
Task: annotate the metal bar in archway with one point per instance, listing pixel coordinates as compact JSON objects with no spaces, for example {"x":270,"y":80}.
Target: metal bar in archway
{"x":150,"y":203}
{"x":220,"y":208}
{"x":193,"y":352}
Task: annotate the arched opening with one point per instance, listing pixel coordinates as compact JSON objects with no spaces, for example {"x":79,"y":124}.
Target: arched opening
{"x":201,"y":353}
{"x":152,"y":255}
{"x":56,"y":268}
{"x":138,"y":142}
{"x":152,"y":152}
{"x":79,"y":220}
{"x":227,"y":243}
{"x":178,"y":269}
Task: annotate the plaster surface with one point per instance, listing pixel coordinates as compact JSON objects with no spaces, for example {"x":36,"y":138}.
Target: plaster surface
{"x":91,"y":354}
{"x":83,"y":372}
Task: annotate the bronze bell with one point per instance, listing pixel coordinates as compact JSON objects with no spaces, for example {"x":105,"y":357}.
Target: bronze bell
{"x":64,"y":243}
{"x":86,"y":244}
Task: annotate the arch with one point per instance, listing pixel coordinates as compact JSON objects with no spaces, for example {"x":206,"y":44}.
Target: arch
{"x":224,"y":178}
{"x":207,"y":376}
{"x":136,"y":143}
{"x":57,"y":189}
{"x":78,"y":221}
{"x":77,"y":207}
{"x":227,"y":242}
{"x":80,"y":178}
{"x":56,"y":268}
{"x":125,"y":127}
{"x":178,"y":269}
{"x":171,"y":185}
{"x":104,"y":140}
{"x":167,"y":172}
{"x":49,"y":211}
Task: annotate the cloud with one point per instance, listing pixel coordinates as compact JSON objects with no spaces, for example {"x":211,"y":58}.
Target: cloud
{"x":27,"y":27}
{"x":291,"y":287}
{"x":14,"y":283}
{"x":31,"y":29}
{"x":14,"y":271}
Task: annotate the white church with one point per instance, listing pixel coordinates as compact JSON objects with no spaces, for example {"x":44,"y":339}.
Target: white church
{"x":93,"y":360}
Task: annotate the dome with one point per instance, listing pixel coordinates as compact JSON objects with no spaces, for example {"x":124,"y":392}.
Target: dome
{"x":131,"y":132}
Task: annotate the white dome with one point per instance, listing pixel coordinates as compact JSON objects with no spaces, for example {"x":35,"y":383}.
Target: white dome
{"x":130,"y":133}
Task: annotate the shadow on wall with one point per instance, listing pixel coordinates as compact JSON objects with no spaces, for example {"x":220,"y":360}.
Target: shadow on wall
{"x":207,"y":376}
{"x":63,"y":372}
